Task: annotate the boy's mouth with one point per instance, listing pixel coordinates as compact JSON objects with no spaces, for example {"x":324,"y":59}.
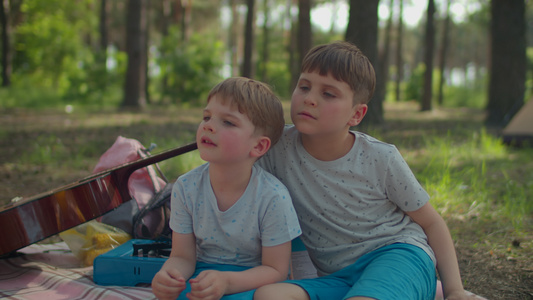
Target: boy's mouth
{"x":306,"y":115}
{"x":206,"y":141}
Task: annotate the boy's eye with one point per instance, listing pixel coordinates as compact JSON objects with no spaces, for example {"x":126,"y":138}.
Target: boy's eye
{"x":206,"y":118}
{"x":228,"y":123}
{"x":329,"y":95}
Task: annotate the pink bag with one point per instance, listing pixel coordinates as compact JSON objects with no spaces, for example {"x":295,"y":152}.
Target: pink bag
{"x":143,"y":183}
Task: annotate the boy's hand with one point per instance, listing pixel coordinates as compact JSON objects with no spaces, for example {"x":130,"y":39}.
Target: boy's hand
{"x":208,"y":285}
{"x":168,"y":284}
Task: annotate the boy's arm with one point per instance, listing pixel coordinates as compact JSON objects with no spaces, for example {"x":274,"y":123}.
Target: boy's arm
{"x":274,"y":268}
{"x":441,"y":242}
{"x":170,"y":280}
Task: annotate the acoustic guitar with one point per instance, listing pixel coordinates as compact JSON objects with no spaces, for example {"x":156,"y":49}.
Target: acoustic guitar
{"x":28,"y":221}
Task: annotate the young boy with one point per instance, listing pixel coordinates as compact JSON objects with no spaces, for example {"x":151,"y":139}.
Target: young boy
{"x":366,"y":221}
{"x":232,"y":222}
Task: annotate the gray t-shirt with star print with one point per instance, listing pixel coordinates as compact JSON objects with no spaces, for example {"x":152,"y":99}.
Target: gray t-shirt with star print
{"x":262,"y":217}
{"x":352,"y":205}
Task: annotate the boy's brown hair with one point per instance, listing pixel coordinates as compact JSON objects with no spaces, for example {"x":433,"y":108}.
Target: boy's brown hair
{"x":345,"y":62}
{"x":257,"y":101}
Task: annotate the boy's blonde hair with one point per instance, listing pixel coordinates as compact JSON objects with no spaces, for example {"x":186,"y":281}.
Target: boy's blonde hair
{"x":257,"y":101}
{"x":345,"y":62}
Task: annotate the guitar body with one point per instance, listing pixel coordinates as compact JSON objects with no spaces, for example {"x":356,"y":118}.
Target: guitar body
{"x":31,"y":220}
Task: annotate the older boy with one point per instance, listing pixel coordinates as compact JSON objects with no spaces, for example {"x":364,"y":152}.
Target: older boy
{"x":366,"y":221}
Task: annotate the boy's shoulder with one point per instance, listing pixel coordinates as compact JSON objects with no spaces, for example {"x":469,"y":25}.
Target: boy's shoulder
{"x":370,"y":146}
{"x":196,"y":172}
{"x":370,"y":141}
{"x":267,"y":177}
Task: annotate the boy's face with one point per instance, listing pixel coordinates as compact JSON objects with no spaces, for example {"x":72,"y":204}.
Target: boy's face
{"x":225,"y":135}
{"x":324,"y":105}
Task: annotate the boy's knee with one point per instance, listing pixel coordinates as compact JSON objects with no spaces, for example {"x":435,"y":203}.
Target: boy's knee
{"x":280,"y":291}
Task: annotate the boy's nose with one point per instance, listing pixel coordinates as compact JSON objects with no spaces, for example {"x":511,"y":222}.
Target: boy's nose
{"x":310,"y":100}
{"x":208,"y":126}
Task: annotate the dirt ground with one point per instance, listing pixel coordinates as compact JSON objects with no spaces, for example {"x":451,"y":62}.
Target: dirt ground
{"x":494,"y":262}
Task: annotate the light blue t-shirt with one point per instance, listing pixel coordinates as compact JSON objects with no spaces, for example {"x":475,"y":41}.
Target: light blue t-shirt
{"x":263,"y":216}
{"x":352,"y":205}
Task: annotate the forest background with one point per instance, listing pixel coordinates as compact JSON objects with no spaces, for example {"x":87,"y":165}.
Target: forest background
{"x":102,"y":53}
{"x":75,"y":74}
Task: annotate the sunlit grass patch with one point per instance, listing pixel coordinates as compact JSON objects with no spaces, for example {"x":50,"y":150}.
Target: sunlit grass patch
{"x":475,"y":178}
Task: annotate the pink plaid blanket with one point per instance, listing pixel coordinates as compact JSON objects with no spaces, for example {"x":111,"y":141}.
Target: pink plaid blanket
{"x":53,"y":272}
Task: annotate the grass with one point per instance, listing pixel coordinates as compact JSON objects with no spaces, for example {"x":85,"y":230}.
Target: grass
{"x":471,"y":178}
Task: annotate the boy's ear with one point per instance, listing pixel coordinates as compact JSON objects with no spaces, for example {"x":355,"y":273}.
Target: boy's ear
{"x":358,"y":114}
{"x":261,"y":147}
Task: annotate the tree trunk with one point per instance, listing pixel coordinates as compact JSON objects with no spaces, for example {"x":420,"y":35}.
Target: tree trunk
{"x":104,"y":40}
{"x":292,"y":48}
{"x":101,"y":54}
{"x":233,"y":42}
{"x":135,"y":83}
{"x":186,"y":19}
{"x":146,"y":29}
{"x":7,"y":58}
{"x":428,"y":57}
{"x":166,"y":20}
{"x":508,"y":61}
{"x":305,"y":35}
{"x":443,"y":53}
{"x":247,"y":66}
{"x":399,"y":53}
{"x":382,"y":70}
{"x":266,"y":41}
{"x":363,"y":32}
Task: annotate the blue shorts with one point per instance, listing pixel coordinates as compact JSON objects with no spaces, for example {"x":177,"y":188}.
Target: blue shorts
{"x":200,"y":266}
{"x":397,"y":271}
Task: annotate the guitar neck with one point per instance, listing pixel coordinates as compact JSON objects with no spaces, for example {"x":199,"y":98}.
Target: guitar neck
{"x":150,"y":160}
{"x":127,"y":168}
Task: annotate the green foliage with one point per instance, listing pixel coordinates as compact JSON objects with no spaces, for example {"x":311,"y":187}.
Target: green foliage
{"x":54,"y":62}
{"x":98,"y":84}
{"x":321,"y":37}
{"x":49,"y":43}
{"x":26,"y":94}
{"x":413,"y":87}
{"x":188,"y":70}
{"x":275,"y":71}
{"x":461,"y":96}
{"x":470,"y":94}
{"x":279,"y":78}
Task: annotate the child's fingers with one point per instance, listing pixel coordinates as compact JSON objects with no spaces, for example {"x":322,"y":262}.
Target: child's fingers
{"x":175,"y":274}
{"x":168,"y":285}
{"x":206,"y":286}
{"x":170,"y":277}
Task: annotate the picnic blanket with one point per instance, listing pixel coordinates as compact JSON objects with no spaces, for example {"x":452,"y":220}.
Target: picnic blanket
{"x":51,"y":271}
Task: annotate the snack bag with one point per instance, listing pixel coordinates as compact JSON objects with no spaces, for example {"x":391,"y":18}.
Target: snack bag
{"x":93,"y":238}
